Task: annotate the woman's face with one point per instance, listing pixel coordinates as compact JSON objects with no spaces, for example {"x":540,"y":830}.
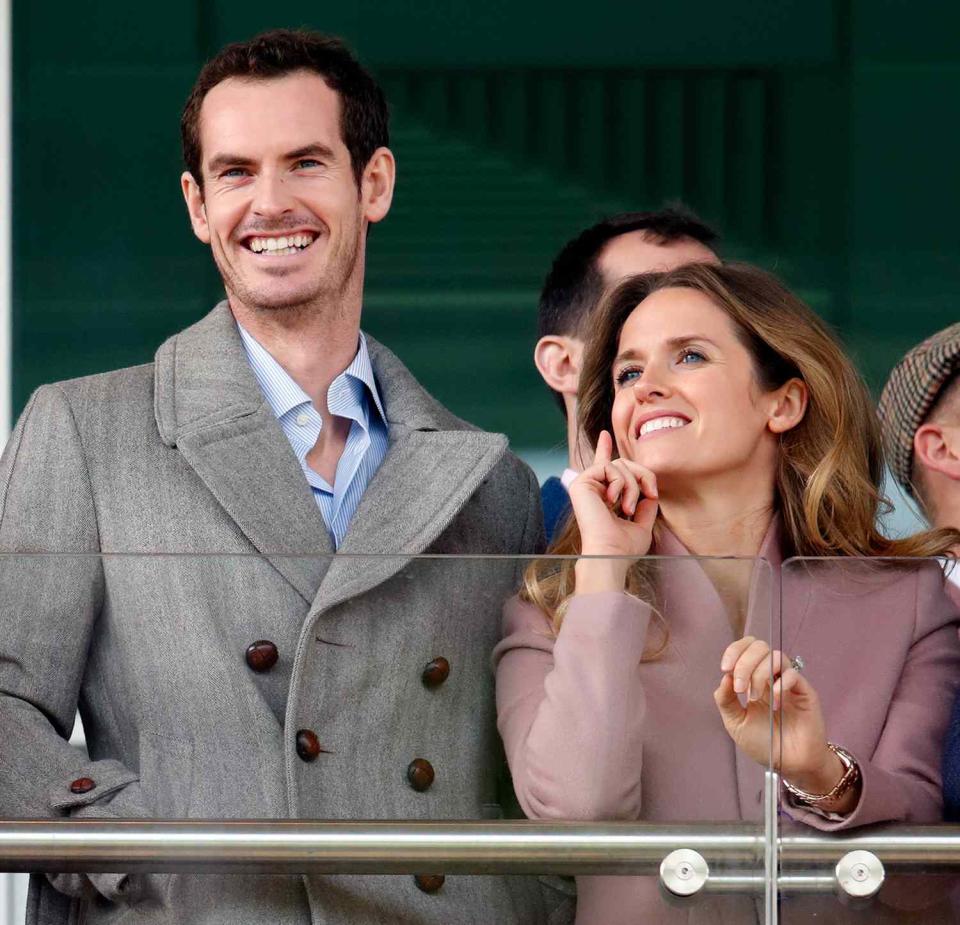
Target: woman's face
{"x":686,"y":400}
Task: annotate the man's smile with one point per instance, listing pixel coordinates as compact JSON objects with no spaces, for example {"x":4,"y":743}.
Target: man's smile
{"x":279,"y":245}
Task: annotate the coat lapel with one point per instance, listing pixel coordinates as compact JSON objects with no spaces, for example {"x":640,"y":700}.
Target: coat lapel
{"x":694,"y":598}
{"x":434,"y":464}
{"x":210,"y":407}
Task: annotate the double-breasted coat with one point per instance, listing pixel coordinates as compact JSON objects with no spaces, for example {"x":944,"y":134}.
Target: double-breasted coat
{"x":137,"y":472}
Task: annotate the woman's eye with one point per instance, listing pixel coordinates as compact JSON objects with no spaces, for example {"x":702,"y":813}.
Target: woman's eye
{"x":628,"y":375}
{"x":691,"y":356}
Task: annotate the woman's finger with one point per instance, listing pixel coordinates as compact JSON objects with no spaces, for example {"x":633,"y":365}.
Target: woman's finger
{"x":749,"y":661}
{"x":646,"y":478}
{"x":646,"y":513}
{"x":733,"y":652}
{"x":791,"y":682}
{"x":768,"y":670}
{"x":728,"y":703}
{"x":630,"y":493}
{"x":615,"y":483}
{"x":604,"y":452}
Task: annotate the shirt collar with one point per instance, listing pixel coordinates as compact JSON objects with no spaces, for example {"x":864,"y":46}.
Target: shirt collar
{"x":282,"y":392}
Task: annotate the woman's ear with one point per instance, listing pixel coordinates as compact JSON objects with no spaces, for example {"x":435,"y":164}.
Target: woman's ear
{"x":788,"y":407}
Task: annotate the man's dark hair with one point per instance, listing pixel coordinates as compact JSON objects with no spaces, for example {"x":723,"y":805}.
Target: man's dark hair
{"x":364,"y":121}
{"x":574,"y":284}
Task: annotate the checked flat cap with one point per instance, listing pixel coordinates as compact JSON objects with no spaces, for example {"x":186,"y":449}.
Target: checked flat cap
{"x":911,"y":391}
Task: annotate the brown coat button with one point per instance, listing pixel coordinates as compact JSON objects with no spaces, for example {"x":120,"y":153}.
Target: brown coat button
{"x":308,"y":745}
{"x":435,"y":672}
{"x":429,"y":883}
{"x":82,"y":785}
{"x":420,"y":774}
{"x":262,"y":655}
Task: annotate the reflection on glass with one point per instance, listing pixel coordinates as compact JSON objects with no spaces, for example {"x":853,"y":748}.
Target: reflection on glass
{"x":614,"y":706}
{"x":880,"y":656}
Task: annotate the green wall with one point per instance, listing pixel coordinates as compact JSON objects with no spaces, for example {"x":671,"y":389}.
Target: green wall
{"x":820,"y":137}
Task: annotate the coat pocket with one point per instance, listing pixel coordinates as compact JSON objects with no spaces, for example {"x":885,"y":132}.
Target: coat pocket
{"x":167,"y":776}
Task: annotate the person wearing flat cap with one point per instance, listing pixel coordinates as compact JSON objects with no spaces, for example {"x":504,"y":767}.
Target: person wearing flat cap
{"x":920,"y":418}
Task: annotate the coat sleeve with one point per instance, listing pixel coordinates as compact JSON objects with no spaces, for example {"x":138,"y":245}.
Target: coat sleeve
{"x":48,"y":607}
{"x":901,"y":778}
{"x":570,"y":707}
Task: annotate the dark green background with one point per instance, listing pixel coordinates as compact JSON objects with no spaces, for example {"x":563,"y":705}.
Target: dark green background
{"x":820,"y":137}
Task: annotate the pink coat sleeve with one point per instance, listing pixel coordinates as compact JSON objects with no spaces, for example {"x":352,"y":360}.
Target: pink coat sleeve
{"x":570,"y":706}
{"x":901,"y":778}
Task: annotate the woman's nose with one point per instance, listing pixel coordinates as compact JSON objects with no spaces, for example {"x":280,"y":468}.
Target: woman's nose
{"x":650,"y":386}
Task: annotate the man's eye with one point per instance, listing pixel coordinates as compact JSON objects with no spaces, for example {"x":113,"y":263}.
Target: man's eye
{"x":233,"y":172}
{"x":628,"y":375}
{"x":309,"y":162}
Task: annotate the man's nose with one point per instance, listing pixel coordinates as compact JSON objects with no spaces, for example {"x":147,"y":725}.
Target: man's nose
{"x":271,"y":197}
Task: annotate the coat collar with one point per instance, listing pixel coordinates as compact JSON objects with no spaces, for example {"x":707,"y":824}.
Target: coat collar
{"x":208,"y":405}
{"x":693,"y":584}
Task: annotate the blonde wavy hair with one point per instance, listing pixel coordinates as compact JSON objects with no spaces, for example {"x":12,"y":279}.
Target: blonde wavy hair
{"x":830,"y":468}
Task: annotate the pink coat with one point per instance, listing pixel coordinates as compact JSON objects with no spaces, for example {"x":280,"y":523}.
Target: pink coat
{"x":591,"y":733}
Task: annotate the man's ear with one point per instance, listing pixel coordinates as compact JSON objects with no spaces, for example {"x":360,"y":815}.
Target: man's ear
{"x":376,"y":185}
{"x":557,"y":358}
{"x":938,"y":448}
{"x":789,"y":406}
{"x":193,"y":196}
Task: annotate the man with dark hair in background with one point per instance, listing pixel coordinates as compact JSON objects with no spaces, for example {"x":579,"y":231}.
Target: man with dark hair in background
{"x":619,"y":246}
{"x":278,"y":681}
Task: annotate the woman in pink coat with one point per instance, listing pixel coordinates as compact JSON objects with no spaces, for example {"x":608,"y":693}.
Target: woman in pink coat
{"x":641,"y":689}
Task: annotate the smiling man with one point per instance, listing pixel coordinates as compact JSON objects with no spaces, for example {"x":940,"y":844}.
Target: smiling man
{"x":298,"y":685}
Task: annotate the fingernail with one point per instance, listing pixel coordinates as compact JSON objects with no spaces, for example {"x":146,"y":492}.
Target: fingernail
{"x":725,"y":663}
{"x":740,"y":685}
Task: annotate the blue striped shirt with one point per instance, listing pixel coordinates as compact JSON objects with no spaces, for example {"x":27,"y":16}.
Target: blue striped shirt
{"x":353,"y":394}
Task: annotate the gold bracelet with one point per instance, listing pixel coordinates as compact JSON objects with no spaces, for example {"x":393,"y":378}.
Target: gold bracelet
{"x":850,"y":778}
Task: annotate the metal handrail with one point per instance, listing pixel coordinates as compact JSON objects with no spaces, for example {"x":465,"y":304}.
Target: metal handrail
{"x":366,"y":847}
{"x":293,"y":846}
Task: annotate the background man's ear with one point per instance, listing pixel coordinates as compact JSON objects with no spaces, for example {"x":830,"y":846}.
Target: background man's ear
{"x":790,"y":406}
{"x":938,"y":448}
{"x":557,"y":358}
{"x":193,"y":196}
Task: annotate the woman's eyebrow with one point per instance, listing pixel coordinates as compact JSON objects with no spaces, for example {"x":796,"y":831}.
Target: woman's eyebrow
{"x":633,"y":354}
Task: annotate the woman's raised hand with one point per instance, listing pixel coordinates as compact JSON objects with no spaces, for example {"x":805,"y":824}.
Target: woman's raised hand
{"x":768,"y":680}
{"x":615,"y":503}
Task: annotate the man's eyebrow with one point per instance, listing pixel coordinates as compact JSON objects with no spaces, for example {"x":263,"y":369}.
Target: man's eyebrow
{"x":228,"y":160}
{"x":220,"y":161}
{"x":632,"y":354}
{"x":317,"y":149}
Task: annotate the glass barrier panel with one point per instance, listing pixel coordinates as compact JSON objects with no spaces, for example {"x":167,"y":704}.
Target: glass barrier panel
{"x":872,"y":669}
{"x":479,"y":691}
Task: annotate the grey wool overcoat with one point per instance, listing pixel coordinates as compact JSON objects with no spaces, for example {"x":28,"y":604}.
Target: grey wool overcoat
{"x":185,"y":456}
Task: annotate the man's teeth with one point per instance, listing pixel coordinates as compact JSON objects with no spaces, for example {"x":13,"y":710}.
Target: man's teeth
{"x":280,"y":246}
{"x":648,"y":427}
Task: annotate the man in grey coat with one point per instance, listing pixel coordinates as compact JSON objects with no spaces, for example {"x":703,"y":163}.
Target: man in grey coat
{"x":274,"y":680}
